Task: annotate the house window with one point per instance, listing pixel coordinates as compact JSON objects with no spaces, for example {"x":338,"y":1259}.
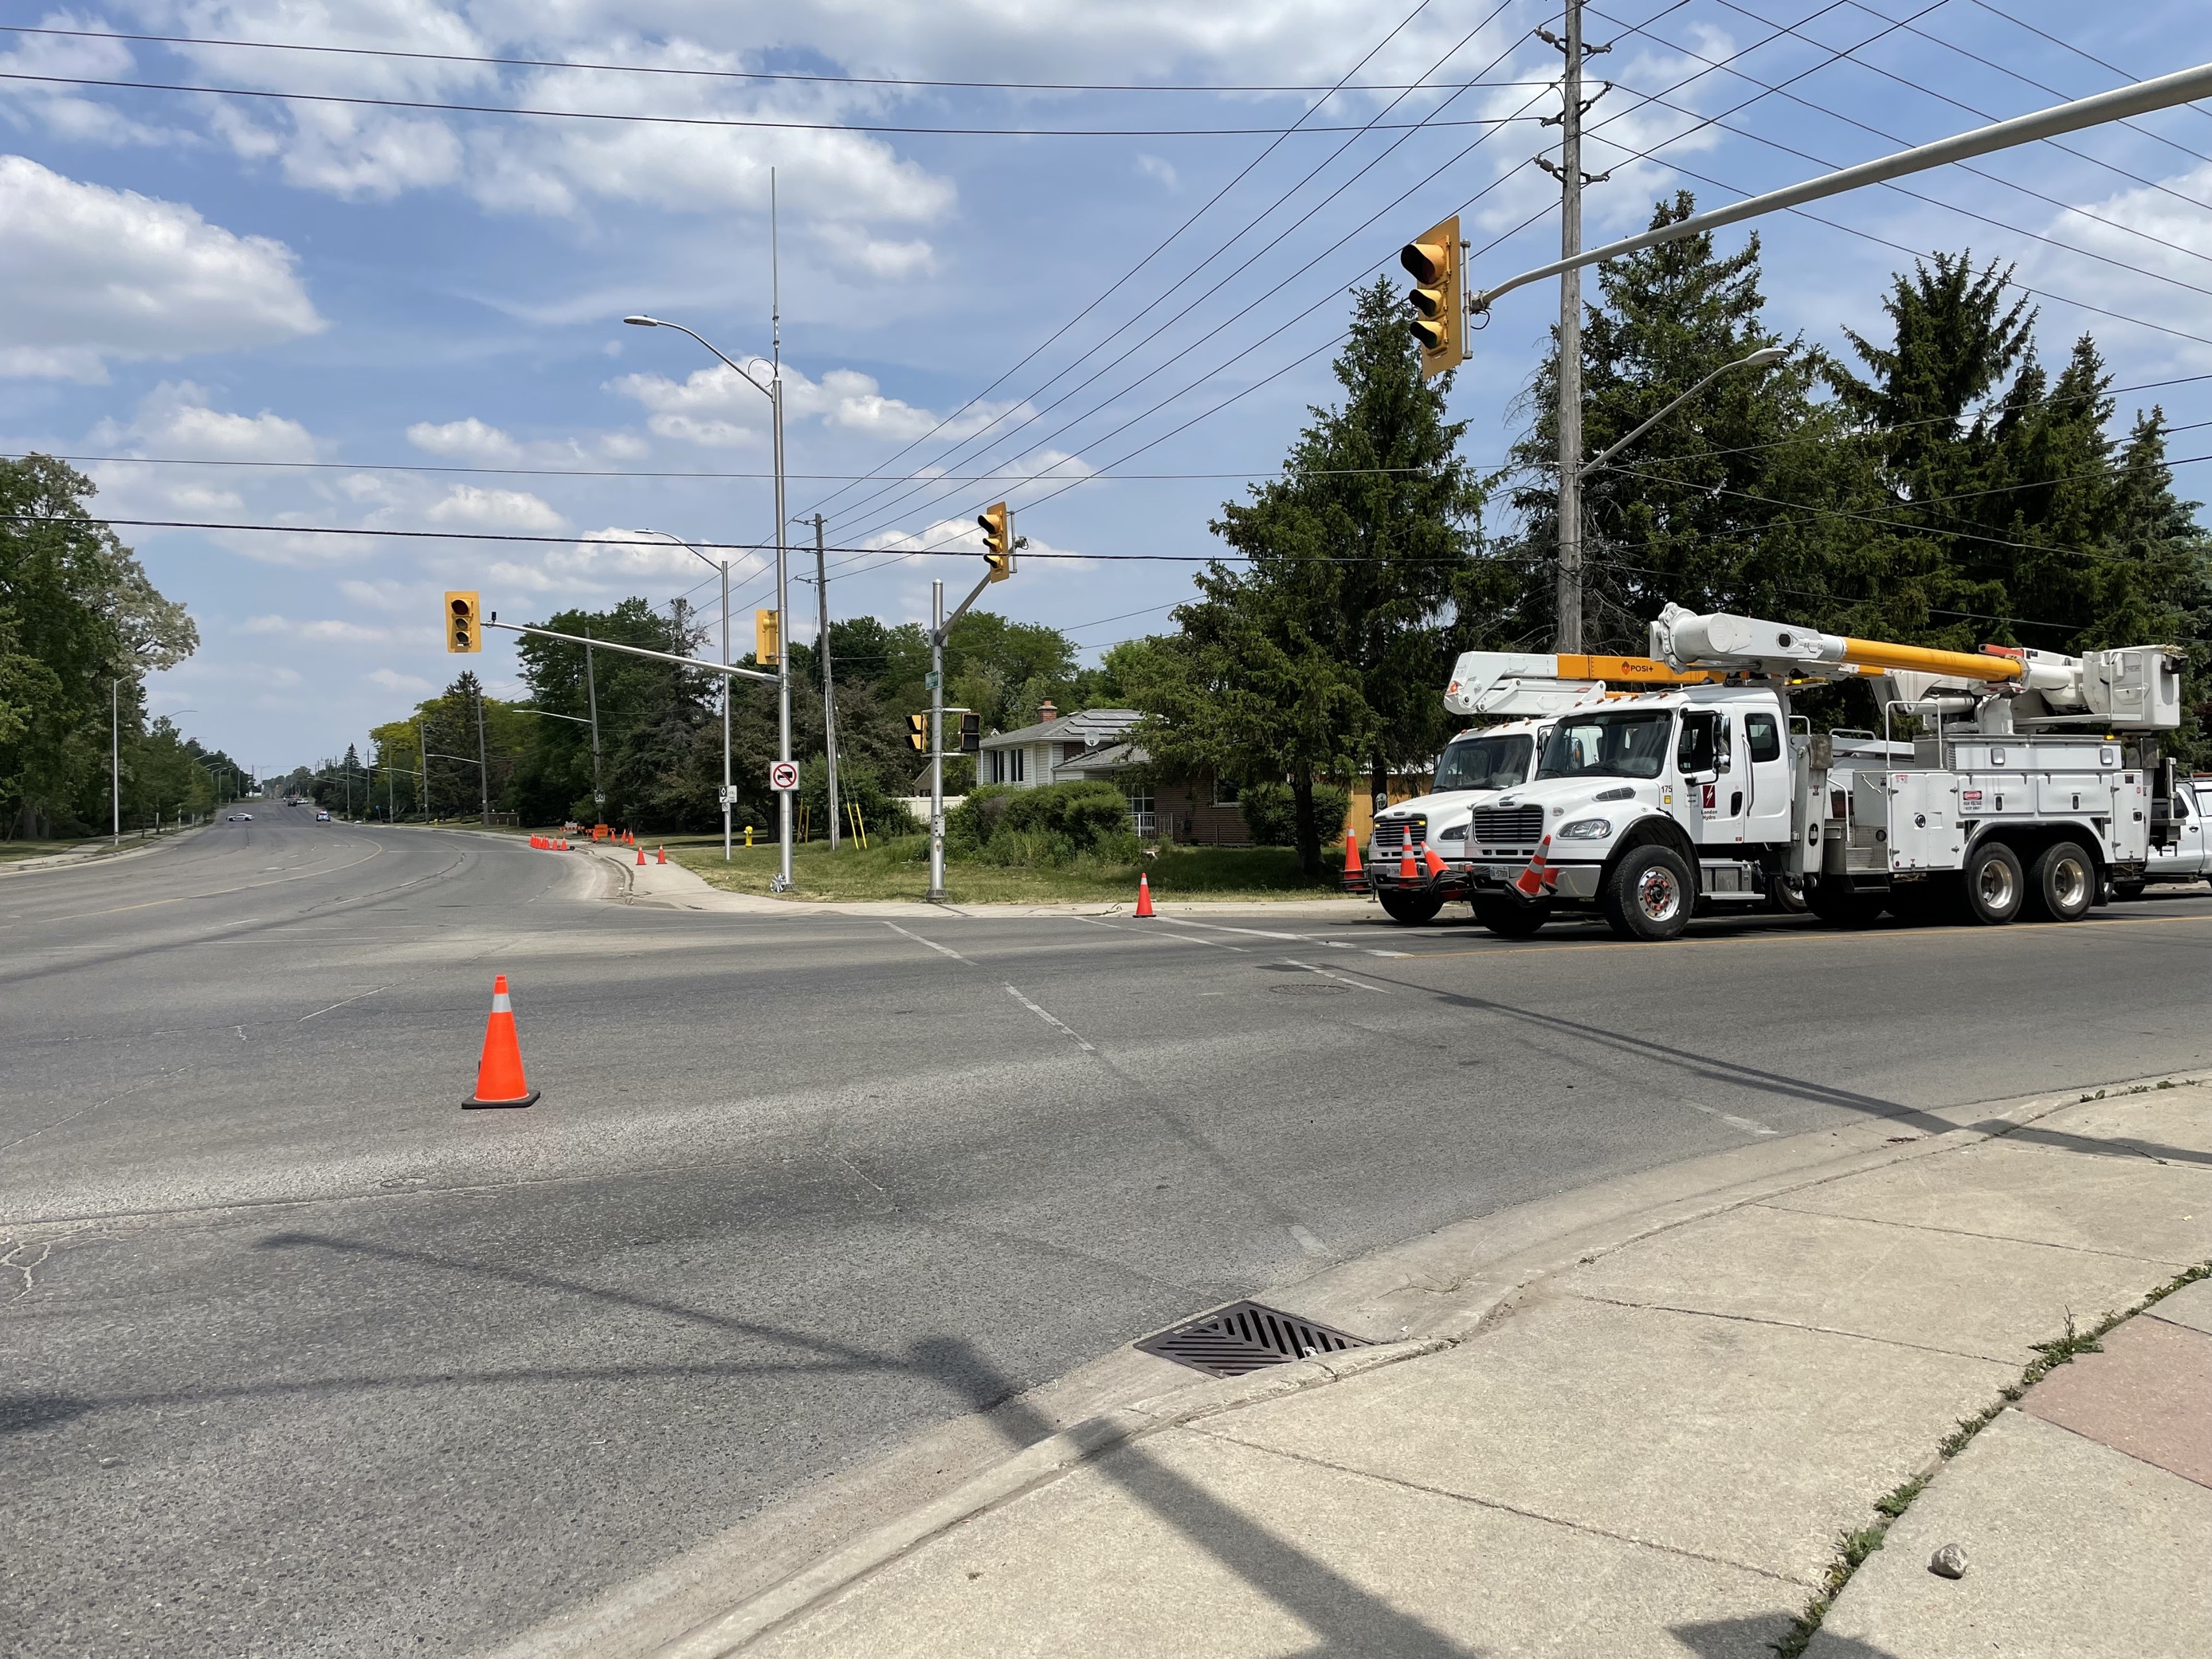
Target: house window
{"x":1224,"y":792}
{"x":1005,"y":766}
{"x":1140,"y":810}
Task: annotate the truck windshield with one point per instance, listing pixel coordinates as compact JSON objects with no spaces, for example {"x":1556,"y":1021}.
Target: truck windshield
{"x":1485,"y":763}
{"x":1623,"y":743}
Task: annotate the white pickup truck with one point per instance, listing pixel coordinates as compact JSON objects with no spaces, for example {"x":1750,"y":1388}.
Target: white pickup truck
{"x":2180,"y":845}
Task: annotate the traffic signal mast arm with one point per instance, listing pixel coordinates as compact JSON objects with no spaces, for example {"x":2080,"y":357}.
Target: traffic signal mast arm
{"x":730,"y":669}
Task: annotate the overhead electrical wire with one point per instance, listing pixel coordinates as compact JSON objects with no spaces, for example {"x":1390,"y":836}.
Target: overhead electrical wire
{"x":801,"y":76}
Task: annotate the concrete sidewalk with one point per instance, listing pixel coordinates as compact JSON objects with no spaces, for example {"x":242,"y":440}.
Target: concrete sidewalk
{"x":1657,"y":1445}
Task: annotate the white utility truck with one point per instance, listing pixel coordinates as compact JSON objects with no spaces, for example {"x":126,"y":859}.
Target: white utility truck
{"x":2180,"y":839}
{"x":1475,"y":768}
{"x":1647,"y":806}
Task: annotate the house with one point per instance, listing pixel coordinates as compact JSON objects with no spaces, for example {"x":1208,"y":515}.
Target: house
{"x":1033,"y":756}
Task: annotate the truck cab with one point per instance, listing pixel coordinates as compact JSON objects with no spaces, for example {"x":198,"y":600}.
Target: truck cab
{"x":1475,"y":767}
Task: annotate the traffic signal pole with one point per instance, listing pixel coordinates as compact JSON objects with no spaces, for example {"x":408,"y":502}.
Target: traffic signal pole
{"x":1569,"y":418}
{"x":828,"y":696}
{"x":936,"y":742}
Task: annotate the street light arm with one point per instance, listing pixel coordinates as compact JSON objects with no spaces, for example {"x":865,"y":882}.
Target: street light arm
{"x":745,"y":374}
{"x":1760,"y":359}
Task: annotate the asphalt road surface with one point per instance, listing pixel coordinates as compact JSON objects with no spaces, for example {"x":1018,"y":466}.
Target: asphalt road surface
{"x":300,"y":1358}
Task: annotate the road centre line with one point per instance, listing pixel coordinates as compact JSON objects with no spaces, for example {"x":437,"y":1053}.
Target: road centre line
{"x":1341,"y":979}
{"x":1057,"y":1023}
{"x":348,"y":1003}
{"x":1165,"y":939}
{"x":942,"y":949}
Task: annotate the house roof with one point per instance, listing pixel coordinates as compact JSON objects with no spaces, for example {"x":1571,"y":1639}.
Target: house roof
{"x":1107,"y":758}
{"x":1086,"y":726}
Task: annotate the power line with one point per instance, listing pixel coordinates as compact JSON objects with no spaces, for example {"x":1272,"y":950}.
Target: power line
{"x":674,"y":72}
{"x":357,"y":100}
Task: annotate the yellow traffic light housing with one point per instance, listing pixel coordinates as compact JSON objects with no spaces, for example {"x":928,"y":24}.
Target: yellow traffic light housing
{"x":1439,"y":323}
{"x":998,"y":540}
{"x":768,"y":637}
{"x":917,"y":732}
{"x":462,"y":633}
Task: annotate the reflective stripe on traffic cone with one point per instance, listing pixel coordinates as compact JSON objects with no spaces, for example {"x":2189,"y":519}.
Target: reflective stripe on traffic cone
{"x":499,"y":1074}
{"x":1144,"y":895}
{"x":1530,"y":883}
{"x":1406,"y":871}
{"x":1432,"y":863}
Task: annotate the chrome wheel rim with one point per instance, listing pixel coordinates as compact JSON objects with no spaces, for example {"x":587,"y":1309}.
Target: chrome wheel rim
{"x":2069,"y":883}
{"x":1993,"y":884}
{"x":1657,"y":894}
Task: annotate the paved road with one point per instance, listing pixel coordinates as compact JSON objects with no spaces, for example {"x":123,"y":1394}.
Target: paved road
{"x":302,"y":1360}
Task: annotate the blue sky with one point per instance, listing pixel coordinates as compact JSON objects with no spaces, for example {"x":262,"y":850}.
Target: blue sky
{"x":415,"y":310}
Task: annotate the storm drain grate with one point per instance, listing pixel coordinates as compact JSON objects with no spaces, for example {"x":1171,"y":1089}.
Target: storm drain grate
{"x":1243,"y":1337}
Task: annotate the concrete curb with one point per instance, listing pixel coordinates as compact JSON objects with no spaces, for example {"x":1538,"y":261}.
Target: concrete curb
{"x":1412,"y":1300}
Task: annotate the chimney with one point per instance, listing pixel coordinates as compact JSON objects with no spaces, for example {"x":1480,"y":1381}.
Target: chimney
{"x":1047,"y":713}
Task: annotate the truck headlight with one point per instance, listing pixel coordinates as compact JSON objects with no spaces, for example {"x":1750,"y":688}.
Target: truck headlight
{"x":1587,"y":829}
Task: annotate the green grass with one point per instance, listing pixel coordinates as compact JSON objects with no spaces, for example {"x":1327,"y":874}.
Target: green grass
{"x":11,"y":851}
{"x":900,"y":870}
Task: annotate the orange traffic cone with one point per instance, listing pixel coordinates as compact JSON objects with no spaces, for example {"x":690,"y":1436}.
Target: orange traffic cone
{"x":663,"y":852}
{"x":1530,"y":883}
{"x":499,"y":1074}
{"x":641,"y":858}
{"x":1407,"y":871}
{"x":1355,"y":878}
{"x":1144,"y":895}
{"x":1432,"y":863}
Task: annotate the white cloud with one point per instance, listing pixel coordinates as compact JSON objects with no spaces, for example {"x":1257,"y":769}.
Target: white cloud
{"x":175,"y":420}
{"x":88,"y":275}
{"x":412,"y":685}
{"x":385,"y":595}
{"x":468,"y":440}
{"x":711,"y":407}
{"x":73,"y":116}
{"x":495,"y":509}
{"x":321,"y":632}
{"x":1154,"y":166}
{"x":933,"y":544}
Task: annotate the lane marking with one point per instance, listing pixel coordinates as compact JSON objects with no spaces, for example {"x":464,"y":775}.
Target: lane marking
{"x":1052,"y":1020}
{"x":1165,"y":939}
{"x":1341,"y":979}
{"x":1261,"y":932}
{"x":942,"y":949}
{"x":1748,"y":1125}
{"x":348,"y":1003}
{"x":377,"y":847}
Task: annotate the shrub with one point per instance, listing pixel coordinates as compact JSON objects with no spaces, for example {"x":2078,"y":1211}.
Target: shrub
{"x":970,"y":826}
{"x":1271,"y":815}
{"x":1080,"y":813}
{"x":883,"y":814}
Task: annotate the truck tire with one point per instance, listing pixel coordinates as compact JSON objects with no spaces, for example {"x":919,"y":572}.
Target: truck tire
{"x":1840,"y":905}
{"x":1649,"y":894}
{"x":2128,"y":889}
{"x":1511,"y":918}
{"x":2063,"y":885}
{"x":1410,"y":909}
{"x":1994,"y":889}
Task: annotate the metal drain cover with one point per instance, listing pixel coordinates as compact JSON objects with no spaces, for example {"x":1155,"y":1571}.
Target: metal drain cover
{"x":1243,"y":1337}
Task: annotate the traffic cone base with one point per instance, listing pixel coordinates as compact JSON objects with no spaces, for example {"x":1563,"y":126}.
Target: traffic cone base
{"x":500,"y":1081}
{"x":1144,"y":895}
{"x":1531,"y":882}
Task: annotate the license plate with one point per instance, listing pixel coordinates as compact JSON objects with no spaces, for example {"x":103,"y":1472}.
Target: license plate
{"x":1507,"y":873}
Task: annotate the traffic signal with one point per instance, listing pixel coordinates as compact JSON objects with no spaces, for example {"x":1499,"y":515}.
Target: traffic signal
{"x":917,"y":732}
{"x":998,"y":540}
{"x":768,"y":637}
{"x":971,"y":734}
{"x":461,"y":631}
{"x":1439,"y":322}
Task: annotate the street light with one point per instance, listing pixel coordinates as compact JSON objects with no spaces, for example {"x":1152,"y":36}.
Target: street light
{"x":1570,"y":494}
{"x":774,"y":393}
{"x":723,"y":565}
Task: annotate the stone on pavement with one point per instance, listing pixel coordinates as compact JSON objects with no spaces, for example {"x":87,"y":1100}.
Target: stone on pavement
{"x":2076,"y":1549}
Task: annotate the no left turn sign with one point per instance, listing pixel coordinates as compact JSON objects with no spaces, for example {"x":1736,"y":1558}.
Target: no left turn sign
{"x":783,"y":776}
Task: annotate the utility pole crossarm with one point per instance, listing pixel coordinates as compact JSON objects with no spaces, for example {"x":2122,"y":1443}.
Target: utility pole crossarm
{"x":2180,"y":87}
{"x":637,"y":651}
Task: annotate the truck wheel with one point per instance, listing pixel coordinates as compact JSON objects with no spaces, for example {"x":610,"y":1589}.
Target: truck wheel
{"x":1411,"y":910}
{"x":1649,"y":894}
{"x":1994,"y":887}
{"x":1510,"y":918}
{"x":2127,"y":889}
{"x":2063,"y":883}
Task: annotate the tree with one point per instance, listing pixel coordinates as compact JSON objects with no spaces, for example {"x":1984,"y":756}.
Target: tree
{"x":1364,"y":548}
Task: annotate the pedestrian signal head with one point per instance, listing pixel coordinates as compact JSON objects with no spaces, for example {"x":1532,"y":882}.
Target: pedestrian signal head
{"x":917,"y":731}
{"x":998,"y":540}
{"x":1439,"y":322}
{"x":462,"y":633}
{"x":971,"y":734}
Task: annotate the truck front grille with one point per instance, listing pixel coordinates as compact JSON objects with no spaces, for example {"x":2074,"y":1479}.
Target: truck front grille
{"x":1395,"y":835}
{"x":1495,"y":825}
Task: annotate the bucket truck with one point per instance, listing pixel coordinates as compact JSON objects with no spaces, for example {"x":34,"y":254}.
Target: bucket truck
{"x":2029,"y":788}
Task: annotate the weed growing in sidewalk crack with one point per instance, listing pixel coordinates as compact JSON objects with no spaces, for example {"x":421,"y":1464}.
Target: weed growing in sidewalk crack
{"x":1854,"y":1546}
